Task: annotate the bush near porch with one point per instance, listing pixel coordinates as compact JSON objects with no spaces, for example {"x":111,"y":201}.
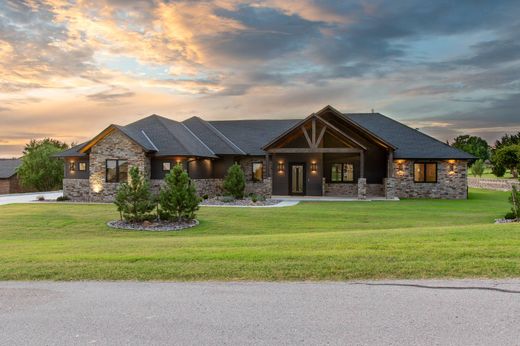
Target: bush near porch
{"x":311,"y":241}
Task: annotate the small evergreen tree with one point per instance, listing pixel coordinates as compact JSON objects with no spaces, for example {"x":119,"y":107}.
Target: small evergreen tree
{"x":178,"y":198}
{"x":514,"y":199}
{"x":134,"y":200}
{"x":235,"y":181}
{"x":477,"y":169}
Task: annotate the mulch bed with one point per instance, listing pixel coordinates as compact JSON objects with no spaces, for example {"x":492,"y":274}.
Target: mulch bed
{"x":154,"y":226}
{"x":245,"y":202}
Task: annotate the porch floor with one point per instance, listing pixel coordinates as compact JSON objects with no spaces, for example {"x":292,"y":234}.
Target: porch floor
{"x":331,"y":198}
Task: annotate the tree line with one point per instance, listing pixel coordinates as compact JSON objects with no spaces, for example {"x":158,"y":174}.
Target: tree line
{"x":503,"y":156}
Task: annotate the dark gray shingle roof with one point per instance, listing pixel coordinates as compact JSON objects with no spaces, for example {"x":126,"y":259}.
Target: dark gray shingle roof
{"x":197,"y":137}
{"x":252,"y":135}
{"x":410,"y":143}
{"x":219,"y":144}
{"x":74,"y":151}
{"x":8,"y":167}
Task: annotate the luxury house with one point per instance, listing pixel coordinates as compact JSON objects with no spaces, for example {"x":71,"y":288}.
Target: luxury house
{"x":328,"y":153}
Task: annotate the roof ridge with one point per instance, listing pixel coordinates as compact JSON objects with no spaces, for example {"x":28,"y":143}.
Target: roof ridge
{"x":160,"y":120}
{"x":219,"y":134}
{"x":194,"y":135}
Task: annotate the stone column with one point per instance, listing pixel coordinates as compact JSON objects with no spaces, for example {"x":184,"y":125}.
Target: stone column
{"x":323,"y":186}
{"x":362,"y":188}
{"x":389,"y":185}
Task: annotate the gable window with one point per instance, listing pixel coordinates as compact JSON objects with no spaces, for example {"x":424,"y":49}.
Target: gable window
{"x":258,"y":171}
{"x":342,"y":172}
{"x":116,"y":171}
{"x":166,"y":166}
{"x":425,"y":172}
{"x":82,"y":166}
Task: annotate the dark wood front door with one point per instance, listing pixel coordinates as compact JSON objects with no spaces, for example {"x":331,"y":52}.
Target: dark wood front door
{"x":297,"y":178}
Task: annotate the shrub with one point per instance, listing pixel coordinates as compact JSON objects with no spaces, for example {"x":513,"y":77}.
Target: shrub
{"x":178,"y":198}
{"x":134,"y":200}
{"x":235,"y":181}
{"x":498,"y":170}
{"x":514,"y":199}
{"x":62,"y":198}
{"x":508,"y":157}
{"x":254,"y":199}
{"x":205,"y":196}
{"x":257,"y":198}
{"x":40,"y":198}
{"x":477,"y":169}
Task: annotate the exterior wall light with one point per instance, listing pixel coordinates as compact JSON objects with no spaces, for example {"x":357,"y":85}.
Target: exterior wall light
{"x":400,"y":167}
{"x":451,"y":167}
{"x":97,"y":187}
{"x":281,"y":167}
{"x":314,"y":167}
{"x":72,"y":166}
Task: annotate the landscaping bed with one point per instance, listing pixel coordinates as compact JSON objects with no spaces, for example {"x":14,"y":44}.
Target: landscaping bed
{"x":244,"y":202}
{"x":154,"y":226}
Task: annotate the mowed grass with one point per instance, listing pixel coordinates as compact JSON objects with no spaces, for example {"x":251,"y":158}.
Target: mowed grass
{"x":310,"y":241}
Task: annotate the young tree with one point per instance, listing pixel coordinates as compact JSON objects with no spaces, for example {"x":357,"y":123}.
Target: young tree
{"x":474,"y":145}
{"x":508,"y":157}
{"x":39,"y":168}
{"x":134,"y":200}
{"x":514,"y":199}
{"x":178,"y":198}
{"x":477,"y":169}
{"x":235,"y":181}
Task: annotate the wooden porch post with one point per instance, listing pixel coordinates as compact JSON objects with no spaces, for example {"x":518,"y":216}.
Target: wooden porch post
{"x":362,"y":164}
{"x":267,"y":166}
{"x":390,"y":173}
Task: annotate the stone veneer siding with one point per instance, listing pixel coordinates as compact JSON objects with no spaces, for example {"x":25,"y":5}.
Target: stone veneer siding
{"x":116,"y":145}
{"x":76,"y":189}
{"x":448,"y":186}
{"x":341,"y":189}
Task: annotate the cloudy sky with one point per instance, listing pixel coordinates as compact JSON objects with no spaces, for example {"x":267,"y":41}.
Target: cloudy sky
{"x":70,"y":68}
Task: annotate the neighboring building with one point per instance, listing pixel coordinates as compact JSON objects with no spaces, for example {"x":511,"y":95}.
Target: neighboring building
{"x":328,"y":153}
{"x":8,"y":177}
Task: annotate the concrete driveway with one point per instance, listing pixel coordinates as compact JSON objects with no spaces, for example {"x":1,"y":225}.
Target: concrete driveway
{"x":28,"y":197}
{"x":465,"y":312}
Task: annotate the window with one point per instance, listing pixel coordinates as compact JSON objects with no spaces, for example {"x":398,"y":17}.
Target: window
{"x":72,"y":166}
{"x":425,"y":172}
{"x":116,"y":171}
{"x":82,"y":166}
{"x":166,"y":166}
{"x":258,"y":171}
{"x":342,"y":172}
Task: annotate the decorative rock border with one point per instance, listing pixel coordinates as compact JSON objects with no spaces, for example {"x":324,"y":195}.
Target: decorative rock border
{"x":506,"y":220}
{"x":155,"y":226}
{"x":245,"y":202}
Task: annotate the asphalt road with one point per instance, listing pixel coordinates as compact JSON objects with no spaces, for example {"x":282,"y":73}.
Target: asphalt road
{"x":366,"y":313}
{"x":28,"y":197}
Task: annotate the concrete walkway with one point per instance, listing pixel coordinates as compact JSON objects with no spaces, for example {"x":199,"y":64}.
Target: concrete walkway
{"x":28,"y":197}
{"x":434,"y":312}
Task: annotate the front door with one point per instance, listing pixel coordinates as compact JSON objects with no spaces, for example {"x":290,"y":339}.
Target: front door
{"x":297,"y":179}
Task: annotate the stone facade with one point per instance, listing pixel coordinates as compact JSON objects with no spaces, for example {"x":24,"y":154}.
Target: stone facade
{"x":362,"y":188}
{"x":375,"y":190}
{"x":341,"y":189}
{"x":116,"y":145}
{"x":449,"y":185}
{"x":76,"y":189}
{"x":389,"y":188}
{"x":493,"y":184}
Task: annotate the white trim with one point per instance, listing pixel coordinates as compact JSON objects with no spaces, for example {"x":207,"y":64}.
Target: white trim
{"x":149,"y":140}
{"x":194,"y":135}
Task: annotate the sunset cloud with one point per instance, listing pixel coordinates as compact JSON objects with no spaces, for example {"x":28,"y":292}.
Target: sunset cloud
{"x":68,"y":68}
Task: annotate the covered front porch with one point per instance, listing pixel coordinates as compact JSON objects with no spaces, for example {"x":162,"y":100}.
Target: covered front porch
{"x":327,"y":156}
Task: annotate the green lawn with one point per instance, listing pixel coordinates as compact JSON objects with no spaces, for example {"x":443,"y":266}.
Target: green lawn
{"x":311,"y":241}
